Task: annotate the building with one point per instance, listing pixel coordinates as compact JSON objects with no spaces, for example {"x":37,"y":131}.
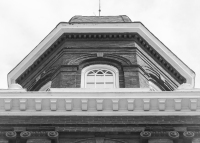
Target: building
{"x":100,"y":80}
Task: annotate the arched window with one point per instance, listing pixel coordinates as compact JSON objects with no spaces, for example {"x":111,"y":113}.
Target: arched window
{"x":100,"y":76}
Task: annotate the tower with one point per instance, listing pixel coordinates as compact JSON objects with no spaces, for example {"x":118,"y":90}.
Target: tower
{"x":100,"y":79}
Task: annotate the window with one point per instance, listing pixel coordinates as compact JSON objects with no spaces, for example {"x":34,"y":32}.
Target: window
{"x":100,"y":76}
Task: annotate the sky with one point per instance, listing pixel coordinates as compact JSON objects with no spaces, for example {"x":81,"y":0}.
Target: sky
{"x":25,"y":23}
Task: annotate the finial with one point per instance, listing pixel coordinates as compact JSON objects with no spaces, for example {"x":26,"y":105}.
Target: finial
{"x":99,"y":7}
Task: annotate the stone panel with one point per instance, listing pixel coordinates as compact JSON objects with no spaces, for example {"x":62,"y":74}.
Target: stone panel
{"x":38,"y":141}
{"x":160,"y":141}
{"x":4,"y":141}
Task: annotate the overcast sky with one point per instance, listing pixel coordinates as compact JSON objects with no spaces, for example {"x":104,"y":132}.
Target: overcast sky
{"x":24,"y":23}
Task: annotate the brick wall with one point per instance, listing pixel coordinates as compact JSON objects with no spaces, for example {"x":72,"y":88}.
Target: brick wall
{"x":72,"y":56}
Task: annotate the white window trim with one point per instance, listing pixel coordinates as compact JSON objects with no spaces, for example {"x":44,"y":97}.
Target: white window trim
{"x":99,"y":66}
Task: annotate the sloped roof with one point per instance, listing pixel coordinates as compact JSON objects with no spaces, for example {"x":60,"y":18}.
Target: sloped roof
{"x":95,"y":24}
{"x":100,"y":19}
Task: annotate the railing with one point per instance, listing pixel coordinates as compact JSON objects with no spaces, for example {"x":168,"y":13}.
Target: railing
{"x":109,"y":102}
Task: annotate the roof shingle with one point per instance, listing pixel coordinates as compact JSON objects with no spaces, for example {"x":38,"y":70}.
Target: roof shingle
{"x":100,"y":19}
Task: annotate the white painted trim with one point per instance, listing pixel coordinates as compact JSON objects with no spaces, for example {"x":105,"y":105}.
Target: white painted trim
{"x":103,"y":28}
{"x":101,"y":93}
{"x":73,"y":102}
{"x":100,"y":113}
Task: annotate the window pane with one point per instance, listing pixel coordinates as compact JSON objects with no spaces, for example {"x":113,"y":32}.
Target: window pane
{"x":108,"y":72}
{"x":99,"y":85}
{"x":91,"y":73}
{"x":108,"y":78}
{"x":90,"y":85}
{"x":90,"y":78}
{"x":99,"y":78}
{"x":99,"y":73}
{"x":109,"y":85}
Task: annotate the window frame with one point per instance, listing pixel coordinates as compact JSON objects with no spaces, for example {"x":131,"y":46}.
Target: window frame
{"x":110,"y":68}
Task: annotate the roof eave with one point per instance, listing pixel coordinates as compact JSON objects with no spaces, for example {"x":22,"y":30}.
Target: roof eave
{"x":65,"y":27}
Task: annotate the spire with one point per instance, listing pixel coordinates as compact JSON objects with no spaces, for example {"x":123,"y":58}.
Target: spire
{"x":99,"y":7}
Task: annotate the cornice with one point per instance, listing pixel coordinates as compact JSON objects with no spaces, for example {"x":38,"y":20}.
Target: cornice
{"x":106,"y":37}
{"x":97,"y":102}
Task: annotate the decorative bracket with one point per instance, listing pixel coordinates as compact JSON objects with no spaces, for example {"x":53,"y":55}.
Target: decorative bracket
{"x":22,"y":104}
{"x":115,"y":104}
{"x":11,"y":135}
{"x":130,"y":104}
{"x":53,"y":135}
{"x":193,"y":104}
{"x":68,"y":104}
{"x":99,"y":104}
{"x":84,"y":104}
{"x":146,"y":104}
{"x":177,"y":104}
{"x":25,"y":135}
{"x":7,"y":104}
{"x":38,"y":104}
{"x":161,"y":104}
{"x":53,"y":104}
